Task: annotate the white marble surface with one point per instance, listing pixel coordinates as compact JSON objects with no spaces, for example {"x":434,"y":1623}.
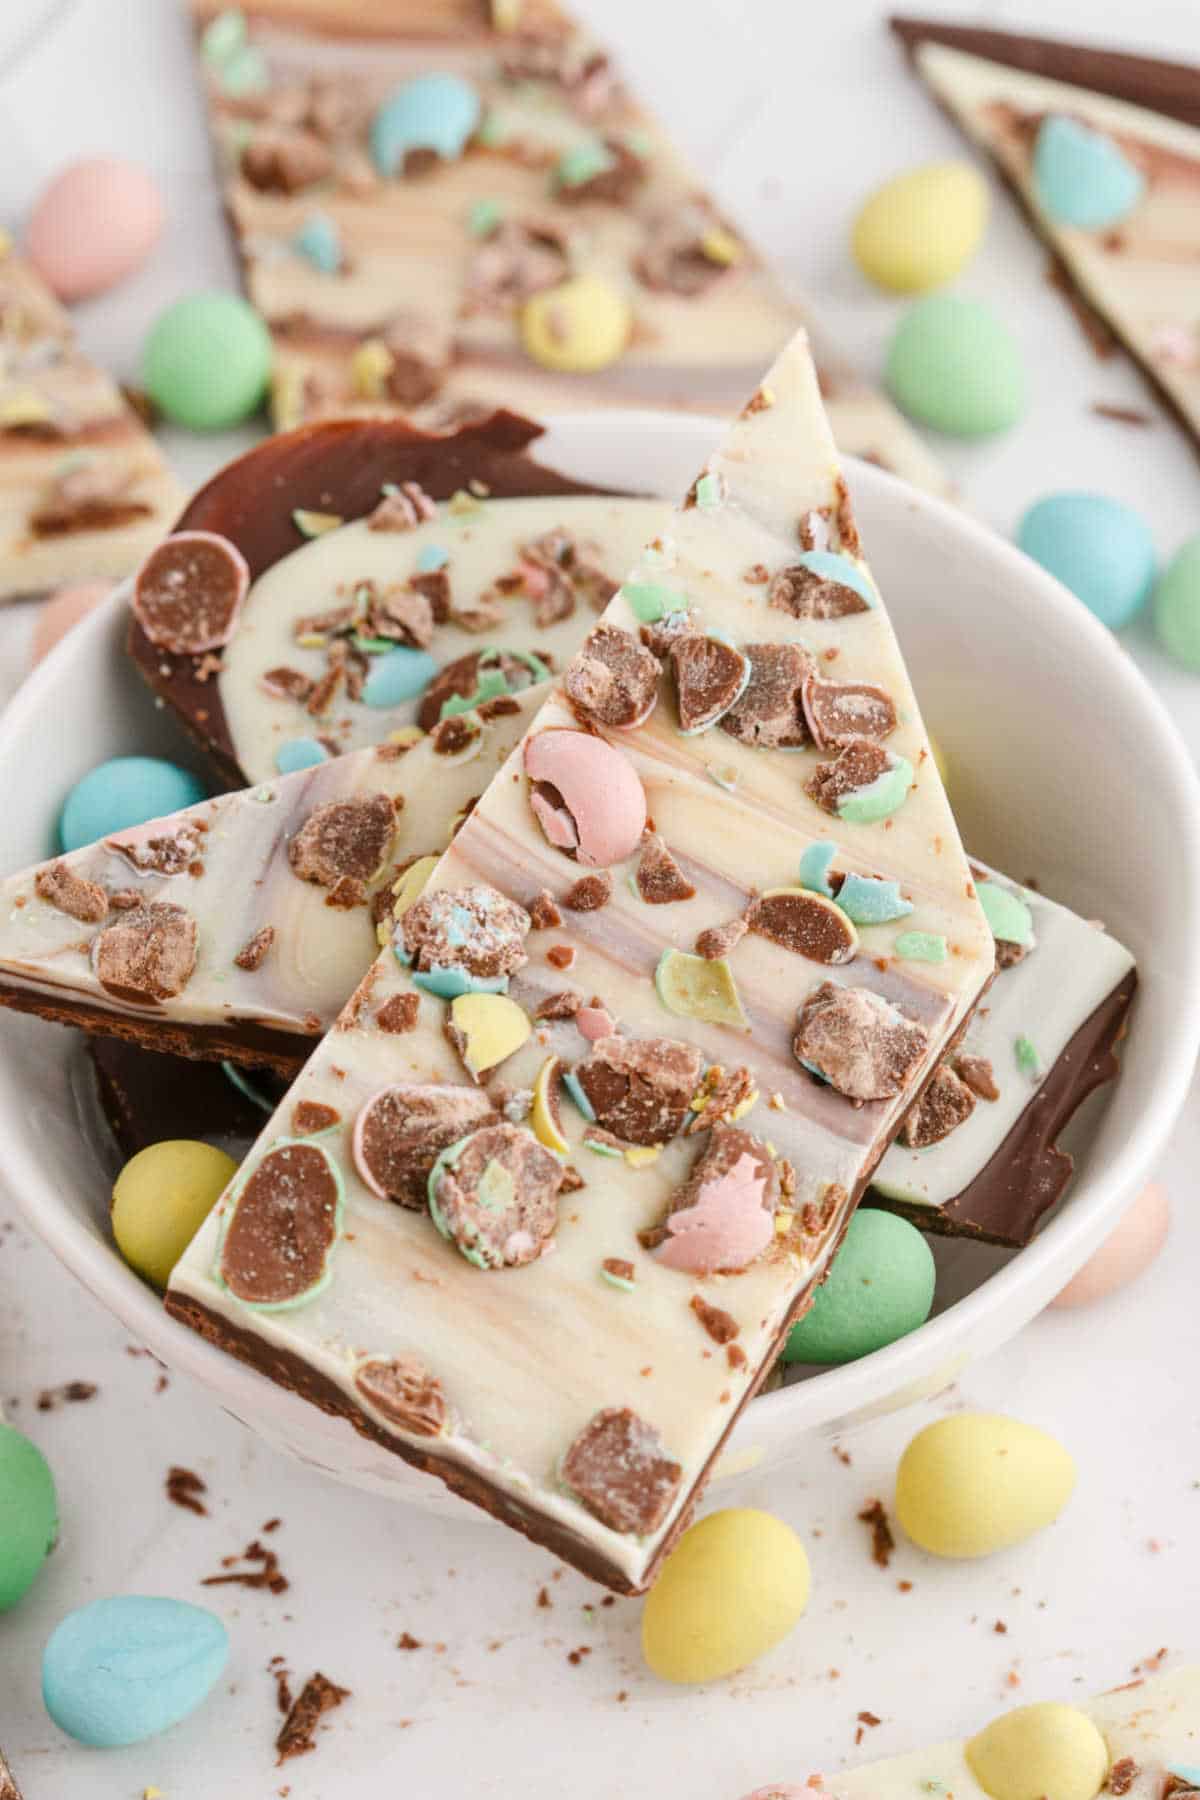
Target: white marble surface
{"x":793,"y":113}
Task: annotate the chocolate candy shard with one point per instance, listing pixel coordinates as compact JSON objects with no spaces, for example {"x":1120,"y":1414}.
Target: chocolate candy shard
{"x":805,"y":594}
{"x":945,"y":1103}
{"x":147,"y":954}
{"x":494,"y":1196}
{"x":189,"y":591}
{"x":59,"y":886}
{"x":715,"y":943}
{"x":613,"y":679}
{"x":805,"y":922}
{"x":254,"y":951}
{"x":619,"y":1468}
{"x":722,"y":1219}
{"x":347,"y":840}
{"x":401,"y":1131}
{"x":313,"y":1116}
{"x":402,"y":1389}
{"x":770,"y":714}
{"x":640,"y":1089}
{"x":837,"y":786}
{"x":476,"y":929}
{"x":710,"y":677}
{"x":978,"y":1073}
{"x":155,"y":851}
{"x":858,"y":1042}
{"x":660,"y":880}
{"x":478,"y":676}
{"x":838,"y":712}
{"x":589,"y":893}
{"x":282,"y":1224}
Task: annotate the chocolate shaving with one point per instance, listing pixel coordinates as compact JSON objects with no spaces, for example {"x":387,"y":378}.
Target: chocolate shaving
{"x":882,"y":1540}
{"x":297,"y":1735}
{"x":184,"y":1488}
{"x":723,"y":1093}
{"x":266,"y":1573}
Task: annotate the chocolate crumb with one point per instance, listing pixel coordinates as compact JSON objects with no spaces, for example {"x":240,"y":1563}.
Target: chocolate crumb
{"x":297,"y":1735}
{"x":254,"y":950}
{"x":543,"y":912}
{"x":544,"y":1601}
{"x":882,"y":1541}
{"x":283,"y":1686}
{"x":575,"y":1657}
{"x":1124,"y":415}
{"x":590,"y":892}
{"x":309,"y":1116}
{"x":721,"y":1326}
{"x":183,"y":1487}
{"x":1122,"y":1775}
{"x":1000,"y":1628}
{"x":50,"y":1399}
{"x":560,"y":956}
{"x":399,"y":1014}
{"x":266,"y":1575}
{"x":406,"y":1641}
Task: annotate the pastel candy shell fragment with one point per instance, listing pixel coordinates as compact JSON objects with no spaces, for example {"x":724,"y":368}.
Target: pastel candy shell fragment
{"x":401,"y":1130}
{"x":494,"y":1195}
{"x":487,"y":1029}
{"x":879,"y":1289}
{"x":126,"y":1668}
{"x":437,"y":112}
{"x":697,"y":987}
{"x":722,"y":1219}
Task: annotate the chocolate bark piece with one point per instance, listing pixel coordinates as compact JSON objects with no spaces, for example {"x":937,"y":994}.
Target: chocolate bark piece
{"x":59,"y":886}
{"x":494,"y":1195}
{"x":838,"y":712}
{"x":281,"y":1227}
{"x":945,"y":1103}
{"x":404,"y":1391}
{"x":805,"y":923}
{"x":401,"y":1131}
{"x":620,"y":1469}
{"x":858,"y":1042}
{"x":344,"y":840}
{"x":770,"y":713}
{"x":805,"y":594}
{"x":476,"y":929}
{"x":614,"y":679}
{"x":189,"y":591}
{"x":859,"y":764}
{"x":640,"y":1089}
{"x":710,"y":675}
{"x":147,"y":954}
{"x":660,"y":880}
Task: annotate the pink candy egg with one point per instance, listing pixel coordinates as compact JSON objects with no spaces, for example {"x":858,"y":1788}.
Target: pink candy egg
{"x":1125,"y":1255}
{"x":61,"y":611}
{"x":600,"y":809}
{"x":94,"y":224}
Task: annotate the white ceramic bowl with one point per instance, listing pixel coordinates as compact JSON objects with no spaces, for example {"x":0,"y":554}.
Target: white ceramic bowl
{"x":1063,"y":765}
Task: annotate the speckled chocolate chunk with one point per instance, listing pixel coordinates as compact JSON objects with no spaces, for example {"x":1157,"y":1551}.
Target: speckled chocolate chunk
{"x":838,"y":712}
{"x":543,"y":912}
{"x":723,"y":1092}
{"x":348,"y":839}
{"x":804,"y":923}
{"x":619,"y":1468}
{"x":770,"y":713}
{"x":168,"y":853}
{"x":400,"y":614}
{"x":495,"y":1196}
{"x":477,"y":929}
{"x":863,"y":1047}
{"x":946,"y":1102}
{"x":285,"y":160}
{"x":978,"y":1073}
{"x":285,"y":683}
{"x":709,"y":677}
{"x":855,"y":767}
{"x":717,"y":941}
{"x":147,"y":954}
{"x":460,"y":680}
{"x":282,"y":1228}
{"x":311,"y":1116}
{"x":613,"y":679}
{"x":720,"y":1325}
{"x":253,"y":952}
{"x":590,"y":892}
{"x":59,"y":886}
{"x":806,"y":595}
{"x":563,"y":1004}
{"x":297,"y":1735}
{"x":399,"y":1013}
{"x":188,"y":593}
{"x":404,"y":1391}
{"x":660,"y":880}
{"x":402,"y":1131}
{"x":640,"y":1088}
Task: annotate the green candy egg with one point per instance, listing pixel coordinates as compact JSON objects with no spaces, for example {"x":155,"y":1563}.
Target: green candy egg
{"x":28,"y":1514}
{"x":1177,"y":606}
{"x":879,"y":1289}
{"x":207,"y":361}
{"x":954,"y":365}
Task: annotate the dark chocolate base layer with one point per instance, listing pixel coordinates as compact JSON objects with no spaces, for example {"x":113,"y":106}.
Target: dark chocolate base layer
{"x":1028,"y":1173}
{"x":146,"y":1097}
{"x":240,"y":1040}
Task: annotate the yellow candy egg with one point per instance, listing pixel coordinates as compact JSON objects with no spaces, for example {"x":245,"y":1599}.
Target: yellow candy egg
{"x":978,"y":1482}
{"x":488,"y":1028}
{"x":1045,"y":1752}
{"x":544,"y":1114}
{"x":733,"y":1587}
{"x":577,"y":327}
{"x":161,"y":1198}
{"x":919,"y":230}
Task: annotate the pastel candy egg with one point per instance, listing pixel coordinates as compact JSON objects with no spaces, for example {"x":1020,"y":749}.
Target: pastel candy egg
{"x":732,"y":1588}
{"x":28,"y":1514}
{"x":975,"y":1483}
{"x":879,"y":1289}
{"x":299,"y":753}
{"x":577,"y":327}
{"x":437,"y":113}
{"x":919,"y":230}
{"x":1081,"y":177}
{"x":954,"y":365}
{"x":160,"y":1200}
{"x":488,"y":1029}
{"x":1177,"y":606}
{"x":1100,"y":549}
{"x":122,"y":1669}
{"x":1124,"y":1255}
{"x":207,"y":361}
{"x":61,"y":611}
{"x":128,"y":790}
{"x":586,"y":796}
{"x":398,"y":675}
{"x":1042,"y":1752}
{"x":95,"y":223}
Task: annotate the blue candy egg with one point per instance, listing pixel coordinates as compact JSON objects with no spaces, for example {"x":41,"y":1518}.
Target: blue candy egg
{"x":319,"y":242}
{"x":121,"y":1670}
{"x":1101,"y":550}
{"x":398,"y":675}
{"x":299,"y":753}
{"x":1081,"y":177}
{"x":127,"y":791}
{"x":433,"y":112}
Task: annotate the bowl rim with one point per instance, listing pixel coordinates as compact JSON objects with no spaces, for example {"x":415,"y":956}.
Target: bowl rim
{"x":835,"y":1393}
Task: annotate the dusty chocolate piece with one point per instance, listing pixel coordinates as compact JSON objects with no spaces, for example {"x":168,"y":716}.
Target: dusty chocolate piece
{"x":399,"y":613}
{"x":263,"y":1575}
{"x":543,"y":912}
{"x":857,"y":1042}
{"x":285,"y":161}
{"x":619,"y":1268}
{"x":560,"y":956}
{"x":883,"y":1543}
{"x":146,"y":1096}
{"x":495,"y":1196}
{"x":710,"y":675}
{"x":943,"y":1106}
{"x":461,"y":680}
{"x":855,"y":767}
{"x":589,"y":893}
{"x":613,"y":679}
{"x":171,"y":853}
{"x":721,"y":1326}
{"x":402,"y":1130}
{"x":185,"y":1489}
{"x":253,"y":952}
{"x":718,"y":940}
{"x":619,"y":1468}
{"x":8,"y":1782}
{"x":806,"y":595}
{"x":405,"y":1392}
{"x":297,"y":1735}
{"x":640,"y":1089}
{"x":476,"y":929}
{"x":189,"y":591}
{"x":770,"y":713}
{"x":59,"y":886}
{"x":147,"y":954}
{"x":838,"y":712}
{"x":404,"y":506}
{"x":311,"y":1116}
{"x":660,"y":880}
{"x":677,"y":254}
{"x":346,"y":840}
{"x":805,"y":923}
{"x":978,"y":1074}
{"x":399,"y":1013}
{"x":562,"y":1005}
{"x":723,"y":1095}
{"x":453,"y":735}
{"x":282,"y":1227}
